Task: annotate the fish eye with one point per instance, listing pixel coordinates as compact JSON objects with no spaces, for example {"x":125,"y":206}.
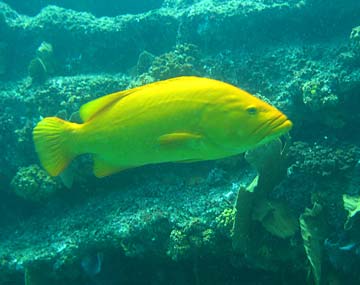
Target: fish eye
{"x":252,"y":110}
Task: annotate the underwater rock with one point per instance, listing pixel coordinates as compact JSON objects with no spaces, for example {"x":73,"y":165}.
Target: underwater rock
{"x":322,"y":160}
{"x":33,"y":184}
{"x":209,"y":25}
{"x":71,"y":92}
{"x":216,"y":176}
{"x":225,"y":221}
{"x":195,"y":237}
{"x":318,"y":95}
{"x":183,"y":60}
{"x":147,"y":233}
{"x":179,"y":248}
{"x":100,"y":9}
{"x":322,"y":98}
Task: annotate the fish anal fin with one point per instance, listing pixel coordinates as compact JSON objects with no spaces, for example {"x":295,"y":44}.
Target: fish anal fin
{"x":103,"y":168}
{"x":179,"y":139}
{"x":90,"y":109}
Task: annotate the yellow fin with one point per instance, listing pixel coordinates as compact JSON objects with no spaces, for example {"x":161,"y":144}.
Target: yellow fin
{"x":90,"y":109}
{"x":53,"y":139}
{"x":102,"y":168}
{"x":178,"y":139}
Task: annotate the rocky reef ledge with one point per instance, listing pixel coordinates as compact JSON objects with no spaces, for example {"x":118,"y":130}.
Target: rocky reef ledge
{"x":210,"y":25}
{"x":164,"y":218}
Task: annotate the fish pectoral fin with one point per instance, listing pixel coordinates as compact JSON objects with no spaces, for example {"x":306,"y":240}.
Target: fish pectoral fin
{"x":179,"y":139}
{"x":103,"y":168}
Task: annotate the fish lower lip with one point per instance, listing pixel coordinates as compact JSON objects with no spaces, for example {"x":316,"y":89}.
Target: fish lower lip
{"x":279,"y":121}
{"x":283,"y":127}
{"x":273,"y":125}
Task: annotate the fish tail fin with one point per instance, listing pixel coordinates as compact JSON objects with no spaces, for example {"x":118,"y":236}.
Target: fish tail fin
{"x":55,"y":143}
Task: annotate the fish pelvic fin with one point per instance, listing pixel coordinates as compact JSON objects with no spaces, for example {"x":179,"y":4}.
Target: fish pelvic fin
{"x":55,"y":143}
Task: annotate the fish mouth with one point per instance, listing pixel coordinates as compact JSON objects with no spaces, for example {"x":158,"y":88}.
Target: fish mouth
{"x":280,"y":124}
{"x":276,"y":127}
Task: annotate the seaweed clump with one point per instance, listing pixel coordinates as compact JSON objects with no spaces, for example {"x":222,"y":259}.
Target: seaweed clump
{"x":264,"y":229}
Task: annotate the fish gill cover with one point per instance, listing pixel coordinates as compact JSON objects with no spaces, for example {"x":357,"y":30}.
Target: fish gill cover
{"x":286,"y":213}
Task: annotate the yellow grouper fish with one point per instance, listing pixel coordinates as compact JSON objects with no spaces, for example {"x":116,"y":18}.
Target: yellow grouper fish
{"x":182,"y":119}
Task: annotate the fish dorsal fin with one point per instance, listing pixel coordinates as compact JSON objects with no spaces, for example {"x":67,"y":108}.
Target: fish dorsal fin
{"x":90,"y":109}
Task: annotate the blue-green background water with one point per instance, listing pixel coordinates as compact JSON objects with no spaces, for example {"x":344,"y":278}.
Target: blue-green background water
{"x":193,"y":223}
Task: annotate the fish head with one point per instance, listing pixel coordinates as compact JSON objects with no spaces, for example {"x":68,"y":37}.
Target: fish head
{"x":264,"y":123}
{"x":246,"y":122}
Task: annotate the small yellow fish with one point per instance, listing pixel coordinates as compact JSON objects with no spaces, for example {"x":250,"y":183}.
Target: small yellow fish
{"x":183,"y":119}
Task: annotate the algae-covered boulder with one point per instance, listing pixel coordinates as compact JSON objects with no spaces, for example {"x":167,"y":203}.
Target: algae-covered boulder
{"x":322,"y":160}
{"x":183,"y":60}
{"x":33,"y":184}
{"x":322,"y":97}
{"x":319,"y":95}
{"x":193,"y":238}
